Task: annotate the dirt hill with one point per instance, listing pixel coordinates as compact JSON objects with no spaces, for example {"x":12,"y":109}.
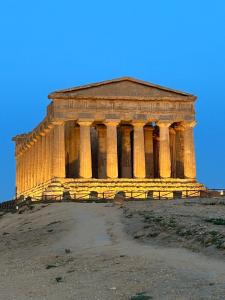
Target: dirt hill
{"x":154,"y":250}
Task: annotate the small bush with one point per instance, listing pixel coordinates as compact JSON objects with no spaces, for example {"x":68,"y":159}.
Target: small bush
{"x":216,"y":221}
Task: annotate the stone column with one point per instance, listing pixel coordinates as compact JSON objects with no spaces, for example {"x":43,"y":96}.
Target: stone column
{"x":22,"y":172}
{"x":94,"y":152}
{"x":76,"y":151}
{"x":126,"y":159}
{"x":149,"y":160}
{"x":31,"y":150}
{"x":101,"y":151}
{"x":35,"y":160}
{"x":24,"y":169}
{"x":164,"y":150}
{"x":26,"y":158}
{"x":58,"y":153}
{"x":29,"y":168}
{"x":18,"y":172}
{"x":31,"y":164}
{"x":179,"y":129}
{"x":156,"y":153}
{"x":41,"y":159}
{"x":85,"y":149}
{"x":111,"y":144}
{"x":189,"y":150}
{"x":46,"y":156}
{"x":51,"y":134}
{"x":139,"y":150}
{"x":69,"y":144}
{"x":172,"y":133}
{"x":38,"y":144}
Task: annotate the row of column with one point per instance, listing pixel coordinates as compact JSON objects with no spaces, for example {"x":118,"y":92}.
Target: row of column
{"x":43,"y":157}
{"x":110,"y":148}
{"x":142,"y":150}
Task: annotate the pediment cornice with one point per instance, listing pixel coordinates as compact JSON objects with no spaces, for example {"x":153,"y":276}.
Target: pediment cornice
{"x":125,"y":88}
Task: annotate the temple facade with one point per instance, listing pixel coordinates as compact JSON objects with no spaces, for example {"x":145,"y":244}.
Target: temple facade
{"x":118,"y":135}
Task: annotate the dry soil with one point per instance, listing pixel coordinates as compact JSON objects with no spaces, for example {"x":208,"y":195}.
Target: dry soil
{"x":144,"y":250}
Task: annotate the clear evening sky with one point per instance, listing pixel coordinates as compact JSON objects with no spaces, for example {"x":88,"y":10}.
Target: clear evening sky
{"x":48,"y":44}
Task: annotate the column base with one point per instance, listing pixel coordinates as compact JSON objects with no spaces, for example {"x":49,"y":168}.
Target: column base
{"x":163,"y":195}
{"x":139,"y":195}
{"x":194,"y":193}
{"x":72,"y":189}
{"x":54,"y":190}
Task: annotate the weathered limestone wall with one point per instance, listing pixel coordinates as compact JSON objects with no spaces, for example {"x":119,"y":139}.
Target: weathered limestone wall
{"x":179,"y":151}
{"x":149,"y":151}
{"x":101,"y":157}
{"x":126,"y":153}
{"x":72,"y":135}
{"x":94,"y":152}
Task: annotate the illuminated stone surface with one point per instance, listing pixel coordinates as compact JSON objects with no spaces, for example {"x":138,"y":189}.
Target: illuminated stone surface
{"x":118,"y":135}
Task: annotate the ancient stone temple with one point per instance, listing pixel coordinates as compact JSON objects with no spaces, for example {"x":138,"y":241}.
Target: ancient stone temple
{"x":118,"y":135}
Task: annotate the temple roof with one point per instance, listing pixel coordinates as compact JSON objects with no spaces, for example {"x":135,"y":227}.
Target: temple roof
{"x":121,"y":88}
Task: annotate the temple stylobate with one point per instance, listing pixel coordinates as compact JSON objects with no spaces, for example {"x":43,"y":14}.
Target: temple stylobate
{"x":121,"y":135}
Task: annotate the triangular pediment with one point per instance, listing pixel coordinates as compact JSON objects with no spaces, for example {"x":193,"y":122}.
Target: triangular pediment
{"x":121,"y":88}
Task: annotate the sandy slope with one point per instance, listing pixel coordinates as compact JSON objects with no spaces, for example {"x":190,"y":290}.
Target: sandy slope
{"x":103,"y":261}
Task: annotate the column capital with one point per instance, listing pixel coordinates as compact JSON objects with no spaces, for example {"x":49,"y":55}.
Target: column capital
{"x":188,"y":124}
{"x":47,"y":129}
{"x":49,"y":126}
{"x":138,"y":124}
{"x":42,"y":133}
{"x":85,"y":122}
{"x":37,"y":136}
{"x":164,"y":124}
{"x":28,"y":145}
{"x":31,"y":142}
{"x":112,"y":122}
{"x":58,"y":122}
{"x":179,"y":127}
{"x":22,"y":151}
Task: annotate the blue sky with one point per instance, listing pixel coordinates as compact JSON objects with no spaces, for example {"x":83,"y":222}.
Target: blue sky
{"x":48,"y":44}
